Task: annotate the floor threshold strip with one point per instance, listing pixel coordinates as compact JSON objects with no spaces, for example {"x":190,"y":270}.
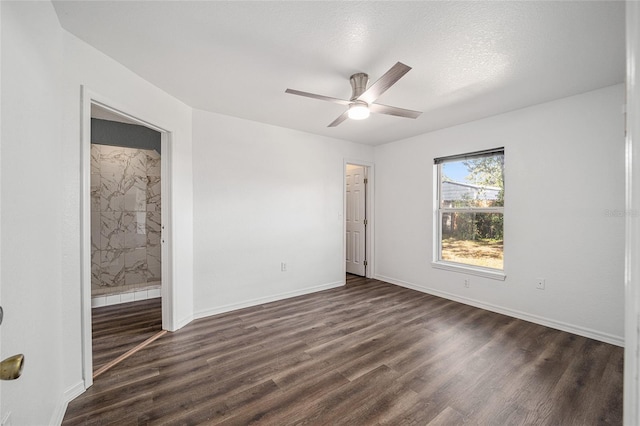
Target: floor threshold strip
{"x":127,"y":354}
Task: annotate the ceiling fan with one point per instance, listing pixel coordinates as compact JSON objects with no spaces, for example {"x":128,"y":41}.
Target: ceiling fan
{"x":362,"y":100}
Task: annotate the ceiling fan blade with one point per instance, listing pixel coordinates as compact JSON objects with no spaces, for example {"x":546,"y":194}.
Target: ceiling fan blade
{"x":340,"y":119}
{"x":387,"y":80}
{"x":314,"y":96}
{"x":389,"y":110}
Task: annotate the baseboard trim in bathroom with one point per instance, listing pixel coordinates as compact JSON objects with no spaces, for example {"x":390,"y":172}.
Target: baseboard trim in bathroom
{"x":126,"y":297}
{"x":128,"y":353}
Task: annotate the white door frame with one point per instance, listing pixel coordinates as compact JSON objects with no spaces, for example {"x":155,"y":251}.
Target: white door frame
{"x":632,"y":243}
{"x":167,"y":291}
{"x":369,"y":230}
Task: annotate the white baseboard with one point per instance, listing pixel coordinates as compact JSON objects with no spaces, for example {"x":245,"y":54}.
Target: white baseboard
{"x":253,"y":302}
{"x":248,"y":303}
{"x":68,"y":396}
{"x":547,"y":322}
{"x":131,"y":296}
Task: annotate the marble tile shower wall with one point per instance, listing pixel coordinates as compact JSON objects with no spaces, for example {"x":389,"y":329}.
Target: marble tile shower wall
{"x":125,"y":219}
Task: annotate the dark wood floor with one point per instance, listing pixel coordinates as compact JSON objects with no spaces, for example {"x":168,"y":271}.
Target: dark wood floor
{"x":369,"y":353}
{"x":118,"y":328}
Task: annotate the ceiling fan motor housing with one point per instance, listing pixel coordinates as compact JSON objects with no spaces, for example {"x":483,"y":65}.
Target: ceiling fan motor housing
{"x":358,"y":84}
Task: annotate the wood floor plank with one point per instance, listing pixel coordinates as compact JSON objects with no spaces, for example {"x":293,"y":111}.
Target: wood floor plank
{"x":447,"y":417}
{"x":289,"y":403}
{"x":364,"y":354}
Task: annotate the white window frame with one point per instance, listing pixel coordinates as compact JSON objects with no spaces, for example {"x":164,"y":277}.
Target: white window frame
{"x":497,"y":274}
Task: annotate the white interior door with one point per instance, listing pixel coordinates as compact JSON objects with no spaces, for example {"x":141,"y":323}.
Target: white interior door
{"x":356,"y":219}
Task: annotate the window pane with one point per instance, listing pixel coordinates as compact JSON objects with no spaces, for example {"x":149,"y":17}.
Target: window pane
{"x":473,"y":238}
{"x":477,"y":182}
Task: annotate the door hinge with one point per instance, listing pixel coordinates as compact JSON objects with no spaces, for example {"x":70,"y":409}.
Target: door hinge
{"x":366,"y":222}
{"x":366,"y":263}
{"x":366,"y":181}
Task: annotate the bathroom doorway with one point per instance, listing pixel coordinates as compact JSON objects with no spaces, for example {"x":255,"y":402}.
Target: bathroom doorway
{"x":126,"y":220}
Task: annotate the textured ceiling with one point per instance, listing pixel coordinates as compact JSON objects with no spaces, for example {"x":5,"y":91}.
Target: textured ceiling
{"x":470,"y":59}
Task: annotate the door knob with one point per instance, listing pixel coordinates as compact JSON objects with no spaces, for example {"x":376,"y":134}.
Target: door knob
{"x":11,"y":368}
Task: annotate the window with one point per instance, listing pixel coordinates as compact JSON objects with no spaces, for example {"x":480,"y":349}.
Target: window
{"x":470,"y":213}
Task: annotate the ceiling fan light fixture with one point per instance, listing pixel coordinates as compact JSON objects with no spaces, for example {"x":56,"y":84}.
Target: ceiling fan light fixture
{"x":358,"y":111}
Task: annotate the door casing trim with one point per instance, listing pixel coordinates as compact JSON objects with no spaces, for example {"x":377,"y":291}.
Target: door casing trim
{"x":88,"y":98}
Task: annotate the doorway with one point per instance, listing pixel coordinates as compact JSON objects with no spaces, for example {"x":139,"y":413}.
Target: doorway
{"x":126,"y":258}
{"x":357,"y":221}
{"x":133,"y":258}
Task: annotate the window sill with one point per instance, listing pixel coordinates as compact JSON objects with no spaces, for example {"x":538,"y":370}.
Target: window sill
{"x":471,"y":270}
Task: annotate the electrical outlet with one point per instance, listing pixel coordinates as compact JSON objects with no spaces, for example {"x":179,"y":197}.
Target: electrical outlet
{"x":540,"y":283}
{"x":283,"y":267}
{"x":466,"y":282}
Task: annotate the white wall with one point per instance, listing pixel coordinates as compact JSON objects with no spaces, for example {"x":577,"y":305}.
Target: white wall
{"x":43,"y":68}
{"x":265,"y":195}
{"x":31,"y":175}
{"x":564,"y":177}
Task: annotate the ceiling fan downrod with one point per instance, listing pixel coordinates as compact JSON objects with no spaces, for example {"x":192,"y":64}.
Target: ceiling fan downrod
{"x":358,"y":84}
